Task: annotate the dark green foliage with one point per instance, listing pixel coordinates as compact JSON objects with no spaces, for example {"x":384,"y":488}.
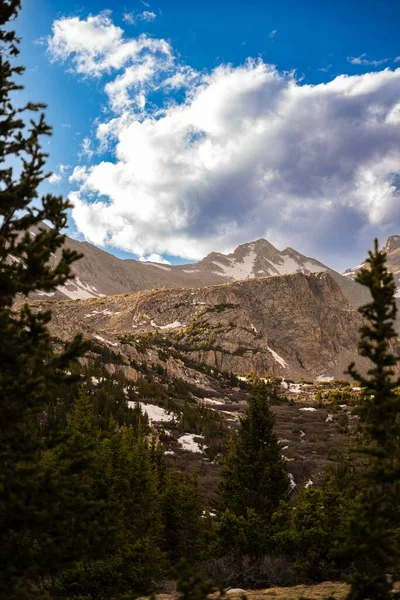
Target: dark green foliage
{"x":254,"y":475}
{"x":192,"y":585}
{"x":31,"y":369}
{"x":184,"y":524}
{"x":371,"y":537}
{"x":306,"y":530}
{"x":253,"y":482}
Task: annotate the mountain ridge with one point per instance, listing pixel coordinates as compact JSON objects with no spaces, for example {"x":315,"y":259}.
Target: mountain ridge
{"x":100,"y":273}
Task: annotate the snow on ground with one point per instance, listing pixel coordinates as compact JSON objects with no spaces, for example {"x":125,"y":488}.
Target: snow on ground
{"x":237,"y":270}
{"x":295,"y":388}
{"x":292,"y":482}
{"x":233,"y":416}
{"x":156,"y":414}
{"x":253,"y":328}
{"x":324,"y":378}
{"x":45,"y":293}
{"x":353,"y":270}
{"x":173,"y":325}
{"x":101,"y":339}
{"x":313,"y":267}
{"x":157,"y":265}
{"x":308,"y":409}
{"x":77,"y":290}
{"x":302,"y":433}
{"x":309,"y":484}
{"x":211,"y":401}
{"x":106,"y":312}
{"x":188,"y":443}
{"x":191,"y":270}
{"x":241,"y":378}
{"x":278,"y":358}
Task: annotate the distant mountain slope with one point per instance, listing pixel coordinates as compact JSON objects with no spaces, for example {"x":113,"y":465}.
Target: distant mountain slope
{"x":294,"y":325}
{"x":392,"y":249}
{"x":99,"y":273}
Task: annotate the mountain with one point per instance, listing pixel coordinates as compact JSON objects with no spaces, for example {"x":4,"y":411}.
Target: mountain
{"x":392,"y":250}
{"x":99,"y":273}
{"x":293,"y":326}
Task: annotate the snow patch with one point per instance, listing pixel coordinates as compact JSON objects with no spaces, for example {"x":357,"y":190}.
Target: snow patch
{"x":101,"y":312}
{"x":188,"y":443}
{"x":292,"y":482}
{"x":40,"y":293}
{"x":324,"y":378}
{"x":295,"y":388}
{"x":278,"y":358}
{"x":158,"y":266}
{"x":156,"y":414}
{"x":101,"y":339}
{"x":173,"y":325}
{"x":309,"y":484}
{"x":238,"y":270}
{"x":191,"y":270}
{"x":77,"y":290}
{"x":211,"y":401}
{"x":308,"y":409}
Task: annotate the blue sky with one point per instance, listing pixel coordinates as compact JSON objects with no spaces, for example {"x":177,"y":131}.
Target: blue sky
{"x":322,"y":196}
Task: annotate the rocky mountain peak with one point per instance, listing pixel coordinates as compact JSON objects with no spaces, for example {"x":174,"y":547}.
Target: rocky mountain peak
{"x":392,"y":244}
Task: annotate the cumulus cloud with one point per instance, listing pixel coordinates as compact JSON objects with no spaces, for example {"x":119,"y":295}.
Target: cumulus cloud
{"x":57,"y":176}
{"x":248,"y":152}
{"x":157,"y":258}
{"x":96,"y":47}
{"x":54,"y":178}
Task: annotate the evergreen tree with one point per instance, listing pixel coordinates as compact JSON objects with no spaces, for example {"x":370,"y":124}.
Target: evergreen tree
{"x":184,"y":524}
{"x":30,"y":369}
{"x":254,"y":475}
{"x":371,"y":535}
{"x":253,"y":482}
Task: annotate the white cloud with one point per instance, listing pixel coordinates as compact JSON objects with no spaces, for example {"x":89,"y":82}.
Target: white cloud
{"x":272,"y":34}
{"x":96,"y":47}
{"x":129,"y":18}
{"x":148,"y":15}
{"x":363,"y":60}
{"x":157,"y":258}
{"x":133,"y":18}
{"x":248,"y":152}
{"x":54,"y":179}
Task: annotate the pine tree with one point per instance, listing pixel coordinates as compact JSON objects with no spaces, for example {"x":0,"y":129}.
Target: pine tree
{"x":254,"y":475}
{"x":184,"y":531}
{"x":371,"y":536}
{"x":30,"y":368}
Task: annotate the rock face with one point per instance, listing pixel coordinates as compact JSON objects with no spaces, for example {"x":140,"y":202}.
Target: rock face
{"x":293,"y":325}
{"x":392,"y":250}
